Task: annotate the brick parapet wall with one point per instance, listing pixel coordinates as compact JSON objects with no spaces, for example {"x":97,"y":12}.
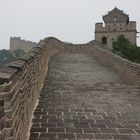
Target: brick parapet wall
{"x":21,"y":81}
{"x":20,"y":84}
{"x":128,"y":69}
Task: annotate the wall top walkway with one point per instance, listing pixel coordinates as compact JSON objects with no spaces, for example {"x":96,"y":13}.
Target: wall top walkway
{"x":83,"y":99}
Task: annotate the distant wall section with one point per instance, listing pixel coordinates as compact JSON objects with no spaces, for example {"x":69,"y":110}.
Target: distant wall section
{"x":18,"y":43}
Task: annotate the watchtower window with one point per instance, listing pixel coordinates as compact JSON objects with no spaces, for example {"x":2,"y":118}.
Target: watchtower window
{"x":104,"y":40}
{"x":115,"y":21}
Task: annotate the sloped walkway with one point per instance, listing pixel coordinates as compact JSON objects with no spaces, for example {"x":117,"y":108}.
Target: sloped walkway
{"x":82,"y":99}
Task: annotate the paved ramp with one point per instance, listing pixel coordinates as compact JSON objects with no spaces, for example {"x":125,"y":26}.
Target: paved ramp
{"x":82,"y":99}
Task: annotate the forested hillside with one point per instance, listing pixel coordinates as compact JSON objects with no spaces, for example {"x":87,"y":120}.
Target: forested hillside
{"x":7,"y":56}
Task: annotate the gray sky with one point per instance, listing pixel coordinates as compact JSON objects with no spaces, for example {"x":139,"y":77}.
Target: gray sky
{"x":68,"y":20}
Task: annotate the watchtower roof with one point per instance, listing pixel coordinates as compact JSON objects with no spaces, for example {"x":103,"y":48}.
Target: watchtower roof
{"x":116,"y":14}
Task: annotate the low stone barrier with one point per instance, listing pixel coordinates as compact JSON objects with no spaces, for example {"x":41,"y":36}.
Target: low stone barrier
{"x":128,"y":69}
{"x":20,"y":84}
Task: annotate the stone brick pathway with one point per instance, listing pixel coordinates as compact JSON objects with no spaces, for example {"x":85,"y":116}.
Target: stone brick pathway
{"x":82,"y":99}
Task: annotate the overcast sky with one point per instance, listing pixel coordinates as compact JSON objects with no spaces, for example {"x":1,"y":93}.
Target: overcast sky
{"x":68,"y":20}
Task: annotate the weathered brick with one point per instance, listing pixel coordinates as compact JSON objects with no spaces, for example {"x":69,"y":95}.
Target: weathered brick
{"x":84,"y":136}
{"x":137,"y":131}
{"x":48,"y":135}
{"x":118,"y":136}
{"x":97,"y":125}
{"x":57,"y":130}
{"x":91,"y":130}
{"x":73,"y":130}
{"x":134,"y":126}
{"x":82,"y":125}
{"x":49,"y":117}
{"x":107,"y":130}
{"x":39,"y":120}
{"x":48,"y":125}
{"x":102,"y":121}
{"x":90,"y":110}
{"x":126,"y":131}
{"x":36,"y":125}
{"x":34,"y":135}
{"x":61,"y":124}
{"x":114,"y":125}
{"x":55,"y":120}
{"x":68,"y":136}
{"x":36,"y":129}
{"x":103,"y":136}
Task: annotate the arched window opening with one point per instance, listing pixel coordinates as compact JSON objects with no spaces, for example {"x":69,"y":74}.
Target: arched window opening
{"x":104,"y":40}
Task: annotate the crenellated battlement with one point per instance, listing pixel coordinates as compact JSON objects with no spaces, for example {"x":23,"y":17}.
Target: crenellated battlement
{"x":18,"y":43}
{"x":19,"y":38}
{"x":119,"y":27}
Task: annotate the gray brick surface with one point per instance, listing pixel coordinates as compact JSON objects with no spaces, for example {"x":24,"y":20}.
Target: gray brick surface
{"x":82,"y":99}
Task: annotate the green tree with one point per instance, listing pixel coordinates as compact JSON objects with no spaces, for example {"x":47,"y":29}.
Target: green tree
{"x":6,"y":57}
{"x":18,"y":53}
{"x":123,"y":47}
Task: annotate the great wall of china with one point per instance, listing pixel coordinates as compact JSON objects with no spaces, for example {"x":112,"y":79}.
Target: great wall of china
{"x":21,"y":81}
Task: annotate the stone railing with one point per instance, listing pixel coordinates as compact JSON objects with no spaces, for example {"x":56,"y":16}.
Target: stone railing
{"x":21,"y":81}
{"x":128,"y":69}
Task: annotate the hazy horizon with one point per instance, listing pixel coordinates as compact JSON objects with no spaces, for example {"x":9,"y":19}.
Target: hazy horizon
{"x":67,"y":20}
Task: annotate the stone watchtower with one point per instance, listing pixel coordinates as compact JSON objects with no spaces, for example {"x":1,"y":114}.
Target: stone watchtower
{"x":116,"y":23}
